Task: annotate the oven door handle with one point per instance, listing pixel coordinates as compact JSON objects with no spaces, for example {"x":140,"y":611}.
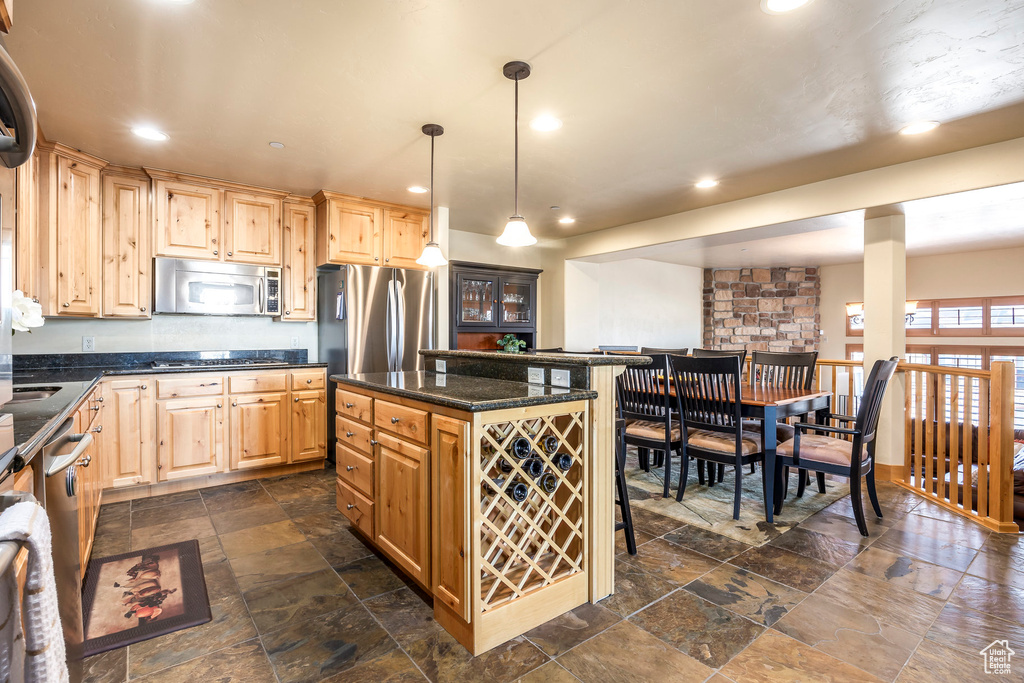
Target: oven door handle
{"x":62,"y":462}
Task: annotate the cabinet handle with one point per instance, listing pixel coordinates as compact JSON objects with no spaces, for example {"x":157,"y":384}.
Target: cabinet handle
{"x":233,"y":403}
{"x":144,"y":387}
{"x":66,"y":305}
{"x":374,"y":443}
{"x":376,"y":258}
{"x":349,"y":405}
{"x":35,"y":299}
{"x":296,"y":400}
{"x":395,"y":420}
{"x":349,"y":468}
{"x":98,"y":428}
{"x":287,"y":312}
{"x":350,"y":434}
{"x":214,"y":252}
{"x":99,"y":399}
{"x":230,"y":254}
{"x":143,"y":309}
{"x":349,"y":506}
{"x":94,"y":408}
{"x":309,"y":381}
{"x":218,"y":405}
{"x":388,"y":259}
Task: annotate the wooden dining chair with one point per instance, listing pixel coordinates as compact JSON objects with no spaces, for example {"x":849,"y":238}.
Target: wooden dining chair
{"x":708,"y":400}
{"x":852,"y":459}
{"x":622,"y":489}
{"x":648,"y":350}
{"x":720,"y":353}
{"x":646,"y":405}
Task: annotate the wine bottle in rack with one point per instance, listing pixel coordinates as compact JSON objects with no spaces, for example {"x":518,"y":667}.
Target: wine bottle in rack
{"x":550,"y":444}
{"x":563,"y":461}
{"x":533,"y":466}
{"x":549,"y":482}
{"x":505,"y":465}
{"x":521,"y":448}
{"x":517,"y":490}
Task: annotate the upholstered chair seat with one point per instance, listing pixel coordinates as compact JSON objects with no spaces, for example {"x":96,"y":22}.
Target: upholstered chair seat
{"x":723,"y":443}
{"x":649,"y":429}
{"x":783,"y":431}
{"x":820,"y":449}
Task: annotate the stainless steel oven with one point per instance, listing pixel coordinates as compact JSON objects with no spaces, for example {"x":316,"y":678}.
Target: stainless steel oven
{"x":211,"y":288}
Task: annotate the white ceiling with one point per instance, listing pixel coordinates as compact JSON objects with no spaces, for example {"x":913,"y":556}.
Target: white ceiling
{"x":655,"y":94}
{"x":990,"y":218}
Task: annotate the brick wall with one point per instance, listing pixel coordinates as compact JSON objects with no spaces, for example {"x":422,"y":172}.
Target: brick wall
{"x":762,"y":309}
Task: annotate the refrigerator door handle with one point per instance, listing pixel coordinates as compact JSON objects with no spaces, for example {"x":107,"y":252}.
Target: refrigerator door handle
{"x":400,"y":326}
{"x":390,"y":326}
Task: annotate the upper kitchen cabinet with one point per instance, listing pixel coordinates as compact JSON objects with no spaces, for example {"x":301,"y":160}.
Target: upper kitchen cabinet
{"x":127,"y":250}
{"x":6,"y":15}
{"x":363,"y":232}
{"x":299,"y":255}
{"x":405,"y":234}
{"x":61,"y":247}
{"x":203,"y":218}
{"x":252,"y":228}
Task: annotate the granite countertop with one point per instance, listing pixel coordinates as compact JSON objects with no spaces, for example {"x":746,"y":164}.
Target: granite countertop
{"x":463,"y":392}
{"x":584,"y":359}
{"x":35,"y":421}
{"x":83,"y":374}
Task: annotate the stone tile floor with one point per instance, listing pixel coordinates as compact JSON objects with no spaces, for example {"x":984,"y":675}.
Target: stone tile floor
{"x":296,"y":596}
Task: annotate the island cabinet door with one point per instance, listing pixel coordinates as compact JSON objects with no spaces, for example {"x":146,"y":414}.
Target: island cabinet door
{"x":259,"y":430}
{"x":403,"y":505}
{"x":190,"y":437}
{"x":450,"y":577}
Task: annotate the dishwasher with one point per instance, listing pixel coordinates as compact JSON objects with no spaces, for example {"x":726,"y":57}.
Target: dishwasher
{"x":61,"y":458}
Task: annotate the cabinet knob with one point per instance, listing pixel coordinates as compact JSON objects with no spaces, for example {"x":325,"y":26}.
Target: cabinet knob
{"x":218,"y":405}
{"x":309,"y":381}
{"x":349,"y":468}
{"x":66,"y":305}
{"x":350,"y":434}
{"x":349,"y":506}
{"x":94,"y":408}
{"x":99,"y":399}
{"x":349,"y":405}
{"x":35,"y":299}
{"x":287,"y":312}
{"x":376,"y":258}
{"x":143,"y":309}
{"x":214,"y":252}
{"x":387,"y":259}
{"x":144,"y":387}
{"x":229,"y":253}
{"x":98,"y":429}
{"x":233,"y":403}
{"x":296,"y":400}
{"x":395,"y":420}
{"x":374,"y":443}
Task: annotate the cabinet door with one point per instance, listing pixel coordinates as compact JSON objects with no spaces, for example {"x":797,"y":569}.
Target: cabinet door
{"x":405,"y":235}
{"x":188,"y":221}
{"x":127,"y":285}
{"x":28,"y":256}
{"x":78,"y":238}
{"x":190,"y":437}
{"x":353,"y":232}
{"x":128,"y":452}
{"x":299,"y":285}
{"x":259,"y":430}
{"x":450,"y":577}
{"x":477,"y":296}
{"x":517,"y":301}
{"x":252,"y":228}
{"x":403,"y":500}
{"x":309,"y":426}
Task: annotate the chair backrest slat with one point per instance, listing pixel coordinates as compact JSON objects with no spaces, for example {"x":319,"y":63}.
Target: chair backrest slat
{"x":719,"y":353}
{"x":785,"y":370}
{"x":640,"y":391}
{"x":708,"y":392}
{"x":648,"y":350}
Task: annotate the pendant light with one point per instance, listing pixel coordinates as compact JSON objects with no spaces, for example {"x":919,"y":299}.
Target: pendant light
{"x":432,"y":256}
{"x":517,"y":233}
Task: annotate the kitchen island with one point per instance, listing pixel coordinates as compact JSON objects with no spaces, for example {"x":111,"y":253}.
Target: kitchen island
{"x":482,"y":490}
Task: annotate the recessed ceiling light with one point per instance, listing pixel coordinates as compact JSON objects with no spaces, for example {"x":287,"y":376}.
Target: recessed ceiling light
{"x":178,"y":2}
{"x":919,"y":127}
{"x":706,"y":183}
{"x":555,"y":208}
{"x":418,"y":189}
{"x":566,"y":220}
{"x":782,"y":6}
{"x":277,"y":145}
{"x":150,"y":133}
{"x":546,"y":123}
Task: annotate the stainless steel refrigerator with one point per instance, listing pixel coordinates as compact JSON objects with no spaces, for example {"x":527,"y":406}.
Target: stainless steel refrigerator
{"x":373,"y":319}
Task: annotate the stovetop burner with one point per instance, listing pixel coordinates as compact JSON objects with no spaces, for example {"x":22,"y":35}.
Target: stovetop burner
{"x":213,"y":363}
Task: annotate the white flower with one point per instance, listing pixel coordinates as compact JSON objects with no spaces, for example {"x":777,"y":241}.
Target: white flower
{"x":25,"y":313}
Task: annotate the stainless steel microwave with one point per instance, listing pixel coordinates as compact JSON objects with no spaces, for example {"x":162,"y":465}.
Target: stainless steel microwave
{"x":211,"y":288}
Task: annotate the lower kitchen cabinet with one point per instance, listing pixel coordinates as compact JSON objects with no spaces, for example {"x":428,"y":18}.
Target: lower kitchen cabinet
{"x":403,"y":505}
{"x":190,"y":437}
{"x":259,"y":430}
{"x":450,"y":452}
{"x":128,"y":436}
{"x":89,"y":476}
{"x":309,"y":426}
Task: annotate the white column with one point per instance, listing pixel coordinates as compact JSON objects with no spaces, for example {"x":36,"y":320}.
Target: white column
{"x":441,"y":278}
{"x":885,"y":294}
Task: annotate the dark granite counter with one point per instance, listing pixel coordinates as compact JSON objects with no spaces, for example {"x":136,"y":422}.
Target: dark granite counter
{"x":463,"y":392}
{"x":83,"y":374}
{"x":579,"y":359}
{"x":35,"y":421}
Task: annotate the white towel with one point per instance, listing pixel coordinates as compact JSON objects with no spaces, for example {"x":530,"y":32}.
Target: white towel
{"x":43,"y":641}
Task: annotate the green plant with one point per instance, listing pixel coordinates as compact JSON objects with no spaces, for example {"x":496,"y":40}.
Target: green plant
{"x":511,"y":344}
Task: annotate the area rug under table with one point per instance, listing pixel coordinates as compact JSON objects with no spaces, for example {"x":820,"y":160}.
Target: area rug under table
{"x":143,"y":594}
{"x":710,"y":507}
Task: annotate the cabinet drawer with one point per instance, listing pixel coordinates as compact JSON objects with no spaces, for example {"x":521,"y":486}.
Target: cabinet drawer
{"x":356,"y":507}
{"x":360,"y":435}
{"x":355,"y":469}
{"x":311,"y":379}
{"x":271,"y":381}
{"x":408,"y":423}
{"x":189,"y":386}
{"x":355,"y":406}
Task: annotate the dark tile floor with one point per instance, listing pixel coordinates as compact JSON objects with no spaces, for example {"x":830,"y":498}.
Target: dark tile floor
{"x":296,"y":596}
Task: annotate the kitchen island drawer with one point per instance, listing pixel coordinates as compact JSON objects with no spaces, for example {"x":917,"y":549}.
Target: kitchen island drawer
{"x":356,"y":507}
{"x":255,"y":384}
{"x":355,"y":406}
{"x":409,"y":423}
{"x":354,"y":435}
{"x":182,"y":387}
{"x":308,"y":379}
{"x":355,"y":469}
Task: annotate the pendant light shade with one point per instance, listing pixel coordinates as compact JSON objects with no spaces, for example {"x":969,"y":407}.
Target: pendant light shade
{"x":432,"y":256}
{"x":517,"y":232}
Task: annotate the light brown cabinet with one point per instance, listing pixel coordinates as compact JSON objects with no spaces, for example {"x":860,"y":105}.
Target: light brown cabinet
{"x":258,"y":424}
{"x":309,"y":426}
{"x":450,"y":452}
{"x":190,"y":437}
{"x":127,"y":254}
{"x":187,"y":221}
{"x":362,"y":232}
{"x":128,"y":435}
{"x":298,"y":286}
{"x":403,"y":504}
{"x":88,"y":473}
{"x":252,"y":228}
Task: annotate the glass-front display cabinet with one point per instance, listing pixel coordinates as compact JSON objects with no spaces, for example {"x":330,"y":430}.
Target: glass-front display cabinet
{"x":489,"y":301}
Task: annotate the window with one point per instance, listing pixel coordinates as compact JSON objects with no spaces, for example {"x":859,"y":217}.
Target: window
{"x":977,"y":317}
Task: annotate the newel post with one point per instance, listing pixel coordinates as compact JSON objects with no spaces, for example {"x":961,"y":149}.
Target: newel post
{"x":1001,"y":445}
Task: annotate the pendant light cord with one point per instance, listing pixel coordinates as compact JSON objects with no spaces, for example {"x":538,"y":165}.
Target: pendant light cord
{"x":517,"y":148}
{"x":432,"y":187}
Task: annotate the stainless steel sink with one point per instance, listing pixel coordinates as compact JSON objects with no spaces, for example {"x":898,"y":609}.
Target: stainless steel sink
{"x":31,"y":394}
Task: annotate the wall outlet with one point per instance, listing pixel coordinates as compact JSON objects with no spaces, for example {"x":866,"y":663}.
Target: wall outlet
{"x":295,"y":342}
{"x":560,"y":378}
{"x":440,"y":365}
{"x":88,"y":344}
{"x":535,"y":375}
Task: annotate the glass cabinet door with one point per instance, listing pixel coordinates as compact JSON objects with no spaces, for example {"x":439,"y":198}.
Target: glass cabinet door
{"x":476,"y":300}
{"x":515,"y":303}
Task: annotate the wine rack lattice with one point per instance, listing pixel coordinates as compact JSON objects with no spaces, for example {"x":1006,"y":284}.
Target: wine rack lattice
{"x":526,"y":545}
